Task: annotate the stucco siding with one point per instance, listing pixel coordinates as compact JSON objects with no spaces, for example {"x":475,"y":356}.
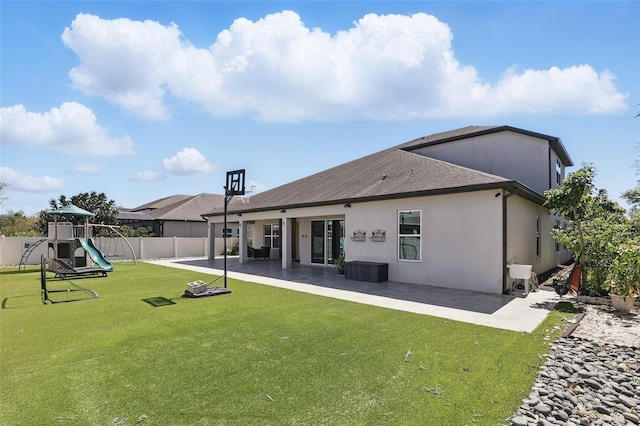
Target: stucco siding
{"x":507,"y":154}
{"x":522,"y":224}
{"x":184,"y":229}
{"x":461,"y":240}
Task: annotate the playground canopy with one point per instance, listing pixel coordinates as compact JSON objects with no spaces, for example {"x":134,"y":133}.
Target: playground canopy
{"x":70,"y":210}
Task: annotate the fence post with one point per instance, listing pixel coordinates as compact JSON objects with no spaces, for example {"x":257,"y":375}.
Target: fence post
{"x":175,"y":246}
{"x":141,"y":240}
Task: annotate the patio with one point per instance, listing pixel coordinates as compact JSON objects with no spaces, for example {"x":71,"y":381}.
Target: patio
{"x":499,"y":311}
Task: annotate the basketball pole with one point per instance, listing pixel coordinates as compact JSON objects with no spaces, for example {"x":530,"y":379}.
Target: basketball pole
{"x":227,"y":198}
{"x":234,"y":186}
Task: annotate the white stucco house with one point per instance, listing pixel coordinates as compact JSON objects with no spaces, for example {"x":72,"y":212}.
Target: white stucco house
{"x":452,"y":209}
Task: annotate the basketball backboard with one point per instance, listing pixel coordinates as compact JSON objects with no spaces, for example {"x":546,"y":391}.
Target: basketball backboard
{"x":235,"y":182}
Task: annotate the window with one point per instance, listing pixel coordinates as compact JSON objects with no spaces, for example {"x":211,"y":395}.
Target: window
{"x":228,"y":233}
{"x":558,"y":172}
{"x":272,"y":235}
{"x":538,"y":236}
{"x":409,"y":235}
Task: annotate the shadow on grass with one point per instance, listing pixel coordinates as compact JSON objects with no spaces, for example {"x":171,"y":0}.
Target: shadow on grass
{"x":566,"y":307}
{"x":21,"y":301}
{"x":159,"y":301}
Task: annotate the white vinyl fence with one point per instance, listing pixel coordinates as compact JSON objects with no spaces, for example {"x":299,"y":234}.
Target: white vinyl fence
{"x":114,"y":249}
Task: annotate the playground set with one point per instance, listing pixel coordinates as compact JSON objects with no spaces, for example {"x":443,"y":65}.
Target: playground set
{"x":74,"y":253}
{"x":76,"y":256}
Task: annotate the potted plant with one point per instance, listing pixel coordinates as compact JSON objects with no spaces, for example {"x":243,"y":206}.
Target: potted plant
{"x":339,"y":264}
{"x":623,"y":280}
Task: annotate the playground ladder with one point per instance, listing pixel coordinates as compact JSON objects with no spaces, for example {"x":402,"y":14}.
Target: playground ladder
{"x":28,"y":251}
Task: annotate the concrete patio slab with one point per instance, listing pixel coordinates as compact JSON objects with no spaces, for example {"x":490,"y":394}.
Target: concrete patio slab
{"x":491,"y":310}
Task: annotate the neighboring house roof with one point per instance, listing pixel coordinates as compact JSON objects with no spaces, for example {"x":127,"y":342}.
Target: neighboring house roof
{"x":180,"y":207}
{"x":162,"y":202}
{"x":473,"y":131}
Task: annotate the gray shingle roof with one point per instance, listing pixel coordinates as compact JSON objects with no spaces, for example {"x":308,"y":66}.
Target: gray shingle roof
{"x":387,"y":174}
{"x":161,"y":202}
{"x":392,"y":173}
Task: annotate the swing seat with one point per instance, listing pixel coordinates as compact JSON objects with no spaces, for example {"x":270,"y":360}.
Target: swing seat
{"x":62,"y":269}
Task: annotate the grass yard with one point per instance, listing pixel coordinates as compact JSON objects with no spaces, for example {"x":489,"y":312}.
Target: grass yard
{"x":258,"y":356}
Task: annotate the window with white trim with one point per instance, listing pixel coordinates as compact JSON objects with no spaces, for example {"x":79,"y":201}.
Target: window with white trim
{"x":409,"y":235}
{"x":272,"y":235}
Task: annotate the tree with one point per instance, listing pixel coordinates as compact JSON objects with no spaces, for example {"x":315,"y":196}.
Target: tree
{"x":106,"y":211}
{"x":3,"y":187}
{"x":16,"y":224}
{"x":571,"y":200}
{"x":597,"y":227}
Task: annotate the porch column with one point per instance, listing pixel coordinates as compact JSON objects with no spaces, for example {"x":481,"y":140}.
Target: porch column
{"x":287,"y":226}
{"x":242,"y":227}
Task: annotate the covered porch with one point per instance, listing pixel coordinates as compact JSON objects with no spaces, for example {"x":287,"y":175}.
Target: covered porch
{"x":314,"y":237}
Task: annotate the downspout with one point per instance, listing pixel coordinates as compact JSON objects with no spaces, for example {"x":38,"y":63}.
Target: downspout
{"x":550,"y":168}
{"x":505,"y":270}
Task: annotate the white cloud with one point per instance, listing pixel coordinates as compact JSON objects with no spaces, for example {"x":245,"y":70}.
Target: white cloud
{"x":72,"y":129}
{"x":88,"y":169}
{"x":18,"y":181}
{"x":187,"y":162}
{"x":253,"y":187}
{"x":148,"y":176}
{"x":389,"y":66}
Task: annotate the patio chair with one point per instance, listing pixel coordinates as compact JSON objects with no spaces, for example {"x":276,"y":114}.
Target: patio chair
{"x":251,"y":253}
{"x":266,"y":253}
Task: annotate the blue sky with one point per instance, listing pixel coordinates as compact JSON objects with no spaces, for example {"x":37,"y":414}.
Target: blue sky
{"x":143,"y":100}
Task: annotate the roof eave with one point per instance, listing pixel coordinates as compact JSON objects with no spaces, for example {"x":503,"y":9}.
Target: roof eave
{"x":511,"y":186}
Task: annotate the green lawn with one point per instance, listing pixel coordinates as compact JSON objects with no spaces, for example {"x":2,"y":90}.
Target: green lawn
{"x":258,"y":356}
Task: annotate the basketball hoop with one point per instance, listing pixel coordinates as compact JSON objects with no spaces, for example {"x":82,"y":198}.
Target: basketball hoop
{"x":235,"y":186}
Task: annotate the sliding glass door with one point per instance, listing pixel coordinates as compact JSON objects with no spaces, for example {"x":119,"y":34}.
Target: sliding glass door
{"x":327,"y":241}
{"x":317,"y":241}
